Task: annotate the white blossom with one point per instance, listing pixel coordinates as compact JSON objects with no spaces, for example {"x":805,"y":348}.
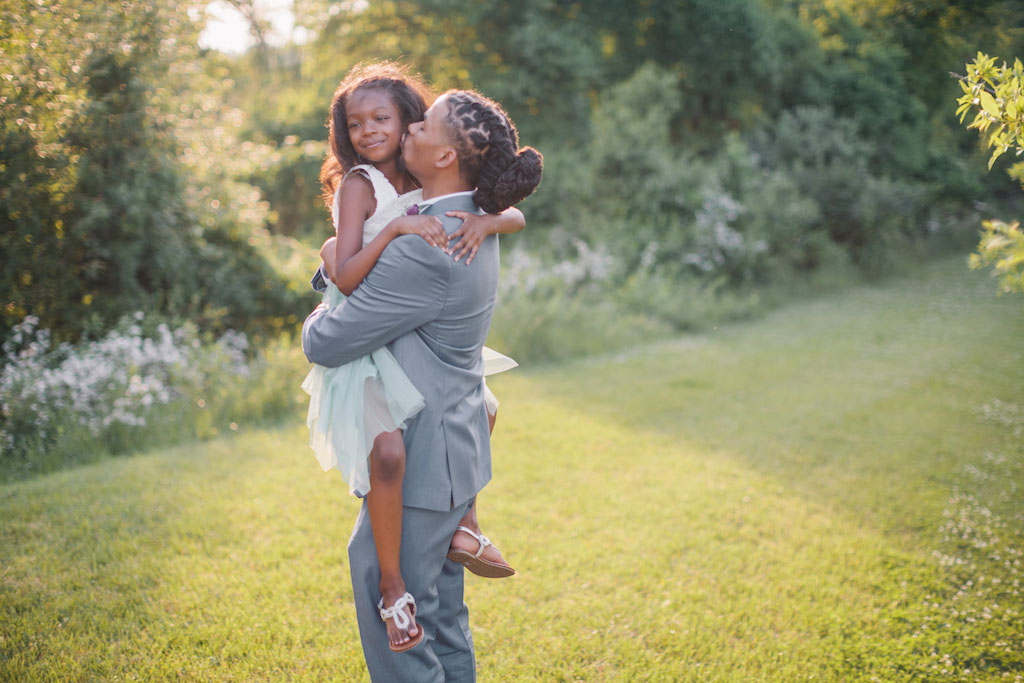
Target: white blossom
{"x":116,"y":380}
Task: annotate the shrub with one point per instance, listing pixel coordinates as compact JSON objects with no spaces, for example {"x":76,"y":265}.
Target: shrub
{"x":753,"y":220}
{"x":553,"y":309}
{"x":131,"y":388}
{"x":831,"y":165}
{"x":119,"y":176}
{"x":683,"y":301}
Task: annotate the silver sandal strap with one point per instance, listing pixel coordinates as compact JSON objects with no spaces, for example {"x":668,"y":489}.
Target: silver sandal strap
{"x":397,"y":611}
{"x":480,"y":538}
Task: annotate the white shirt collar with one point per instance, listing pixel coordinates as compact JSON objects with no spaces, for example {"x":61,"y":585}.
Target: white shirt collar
{"x":423,"y":204}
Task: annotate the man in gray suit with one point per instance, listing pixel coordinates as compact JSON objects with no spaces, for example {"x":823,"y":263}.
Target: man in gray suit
{"x":433,"y":314}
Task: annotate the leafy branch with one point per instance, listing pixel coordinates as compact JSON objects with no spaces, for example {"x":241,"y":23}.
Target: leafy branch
{"x":996,"y":96}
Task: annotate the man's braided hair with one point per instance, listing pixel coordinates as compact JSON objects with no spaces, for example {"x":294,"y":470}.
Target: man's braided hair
{"x":487,"y":145}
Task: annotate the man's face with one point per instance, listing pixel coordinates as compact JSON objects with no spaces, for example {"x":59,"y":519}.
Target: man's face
{"x":426,"y":141}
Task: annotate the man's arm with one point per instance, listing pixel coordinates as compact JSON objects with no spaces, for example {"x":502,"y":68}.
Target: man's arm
{"x":406,"y":289}
{"x":319,"y":280}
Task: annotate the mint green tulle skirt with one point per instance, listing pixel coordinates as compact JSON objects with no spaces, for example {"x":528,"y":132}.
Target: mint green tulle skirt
{"x":351,"y":405}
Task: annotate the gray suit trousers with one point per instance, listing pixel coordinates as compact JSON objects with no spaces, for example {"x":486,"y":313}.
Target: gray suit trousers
{"x":446,"y":653}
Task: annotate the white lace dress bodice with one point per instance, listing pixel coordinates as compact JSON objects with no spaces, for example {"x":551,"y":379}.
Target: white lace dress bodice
{"x":390,"y":204}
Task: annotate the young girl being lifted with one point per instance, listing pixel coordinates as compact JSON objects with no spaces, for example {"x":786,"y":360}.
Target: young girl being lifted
{"x":357,"y":411}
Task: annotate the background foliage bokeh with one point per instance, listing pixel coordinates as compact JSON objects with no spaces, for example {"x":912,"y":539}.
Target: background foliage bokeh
{"x":729,"y":143}
{"x":119,"y":177}
{"x":704,"y":158}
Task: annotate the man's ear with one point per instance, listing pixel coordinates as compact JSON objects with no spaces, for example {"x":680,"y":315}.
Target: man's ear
{"x":446,"y":158}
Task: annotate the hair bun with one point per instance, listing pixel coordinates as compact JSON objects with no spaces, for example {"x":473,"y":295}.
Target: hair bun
{"x":517,"y":182}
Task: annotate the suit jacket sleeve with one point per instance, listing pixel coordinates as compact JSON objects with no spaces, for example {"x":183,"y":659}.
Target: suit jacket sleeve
{"x":406,"y":289}
{"x":319,"y":280}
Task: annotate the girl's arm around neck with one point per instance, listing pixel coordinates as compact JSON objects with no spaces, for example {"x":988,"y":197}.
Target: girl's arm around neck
{"x":508,"y":221}
{"x":353,"y":261}
{"x":476,"y":227}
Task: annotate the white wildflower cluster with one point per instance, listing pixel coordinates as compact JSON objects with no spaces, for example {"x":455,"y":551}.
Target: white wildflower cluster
{"x":1005,"y":414}
{"x":526,"y":273}
{"x":981,"y":550}
{"x":234,"y":345}
{"x":116,"y":380}
{"x":718,"y":242}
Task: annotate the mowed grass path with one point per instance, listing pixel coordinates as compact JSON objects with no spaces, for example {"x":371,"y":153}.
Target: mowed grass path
{"x":764,"y":502}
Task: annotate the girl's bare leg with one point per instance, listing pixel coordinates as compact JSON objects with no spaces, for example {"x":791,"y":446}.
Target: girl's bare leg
{"x":463,"y":541}
{"x":384,"y":503}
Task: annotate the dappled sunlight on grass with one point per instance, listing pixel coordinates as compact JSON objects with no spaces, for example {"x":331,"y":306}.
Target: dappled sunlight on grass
{"x":231,"y":555}
{"x":644,"y":552}
{"x":768,"y":501}
{"x":870,"y":383}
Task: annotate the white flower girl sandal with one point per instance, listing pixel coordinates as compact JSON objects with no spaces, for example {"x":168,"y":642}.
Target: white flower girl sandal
{"x":475,"y":562}
{"x":402,"y":620}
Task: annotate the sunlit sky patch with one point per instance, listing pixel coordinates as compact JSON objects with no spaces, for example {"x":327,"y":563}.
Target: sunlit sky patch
{"x":228,"y":31}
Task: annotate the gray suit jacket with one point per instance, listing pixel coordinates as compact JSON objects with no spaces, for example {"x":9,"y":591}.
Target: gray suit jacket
{"x":433,"y":314}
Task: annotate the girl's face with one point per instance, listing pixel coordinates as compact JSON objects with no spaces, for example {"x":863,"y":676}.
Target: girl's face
{"x":374,"y":125}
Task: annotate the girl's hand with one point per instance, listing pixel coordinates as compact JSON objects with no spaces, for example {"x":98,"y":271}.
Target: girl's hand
{"x":474,"y":229}
{"x":427,"y":227}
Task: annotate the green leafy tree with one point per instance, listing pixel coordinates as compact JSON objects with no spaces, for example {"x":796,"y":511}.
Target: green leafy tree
{"x":833,"y":102}
{"x":116,"y":190}
{"x":995,"y":94}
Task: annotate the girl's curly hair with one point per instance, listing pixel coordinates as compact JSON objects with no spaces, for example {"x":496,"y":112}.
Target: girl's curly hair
{"x":407,"y":91}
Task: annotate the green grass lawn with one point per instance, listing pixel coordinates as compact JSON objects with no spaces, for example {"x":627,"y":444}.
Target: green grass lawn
{"x":832,"y":492}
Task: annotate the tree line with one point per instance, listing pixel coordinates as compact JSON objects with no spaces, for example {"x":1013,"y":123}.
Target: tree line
{"x":732,"y":143}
